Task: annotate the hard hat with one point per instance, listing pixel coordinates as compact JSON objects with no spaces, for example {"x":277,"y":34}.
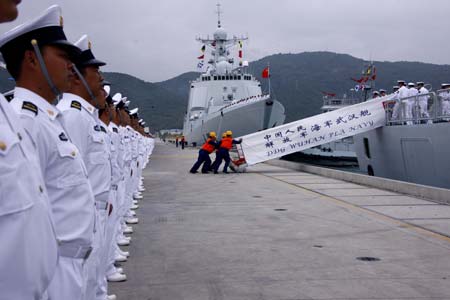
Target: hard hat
{"x":224,"y":134}
{"x":212,"y":134}
{"x":229,"y":132}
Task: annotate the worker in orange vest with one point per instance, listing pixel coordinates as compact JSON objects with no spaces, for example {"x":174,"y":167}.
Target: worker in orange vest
{"x":203,"y":154}
{"x":224,"y":151}
{"x":218,"y":159}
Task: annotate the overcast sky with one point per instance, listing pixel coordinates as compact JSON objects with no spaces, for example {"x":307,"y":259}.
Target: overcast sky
{"x":155,"y":39}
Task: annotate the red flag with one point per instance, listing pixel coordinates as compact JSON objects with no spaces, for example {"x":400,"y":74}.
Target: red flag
{"x":265,"y":73}
{"x":361,"y":80}
{"x":201,"y":56}
{"x":240,"y":53}
{"x":329,"y":94}
{"x":374,"y":76}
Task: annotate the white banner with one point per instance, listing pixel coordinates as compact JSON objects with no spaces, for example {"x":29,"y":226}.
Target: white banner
{"x":313,"y":131}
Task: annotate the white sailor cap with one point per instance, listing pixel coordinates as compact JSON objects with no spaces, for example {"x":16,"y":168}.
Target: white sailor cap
{"x":444,"y":85}
{"x":117,"y":98}
{"x":47,"y":29}
{"x":395,"y":87}
{"x":411,"y":84}
{"x":143,"y":123}
{"x":87,"y":58}
{"x":382,"y":91}
{"x":141,"y":120}
{"x":420,"y":83}
{"x":375,"y":93}
{"x":401,"y":82}
{"x":107,"y":89}
{"x":134,"y":111}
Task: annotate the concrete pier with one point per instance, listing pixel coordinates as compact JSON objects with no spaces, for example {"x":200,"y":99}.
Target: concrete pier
{"x":276,"y":233}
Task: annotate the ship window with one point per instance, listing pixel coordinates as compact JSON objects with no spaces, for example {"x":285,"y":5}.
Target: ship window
{"x":215,"y":77}
{"x":219,"y":77}
{"x":223,"y":77}
{"x":366,"y":147}
{"x":239,"y":77}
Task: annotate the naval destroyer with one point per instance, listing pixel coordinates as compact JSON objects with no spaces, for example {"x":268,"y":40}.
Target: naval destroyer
{"x":226,"y":96}
{"x":414,"y":149}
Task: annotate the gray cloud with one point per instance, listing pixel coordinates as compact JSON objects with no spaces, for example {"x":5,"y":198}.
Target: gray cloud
{"x":154,"y":40}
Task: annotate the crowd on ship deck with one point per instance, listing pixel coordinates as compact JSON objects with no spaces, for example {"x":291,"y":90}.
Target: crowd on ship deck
{"x":410,"y":101}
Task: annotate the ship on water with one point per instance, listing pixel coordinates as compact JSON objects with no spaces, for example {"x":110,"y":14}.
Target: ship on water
{"x":226,"y":96}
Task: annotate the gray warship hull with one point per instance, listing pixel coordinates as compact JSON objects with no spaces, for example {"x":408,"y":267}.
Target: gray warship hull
{"x":415,"y":153}
{"x":241,"y":119}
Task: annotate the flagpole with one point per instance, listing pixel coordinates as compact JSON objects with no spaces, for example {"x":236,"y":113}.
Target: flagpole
{"x":268,"y":69}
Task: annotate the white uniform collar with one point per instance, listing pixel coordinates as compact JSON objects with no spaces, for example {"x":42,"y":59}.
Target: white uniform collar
{"x":113,"y":125}
{"x":86,"y":105}
{"x":43,"y":105}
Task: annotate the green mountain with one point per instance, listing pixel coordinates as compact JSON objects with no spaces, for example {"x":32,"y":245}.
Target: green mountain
{"x":297,"y":81}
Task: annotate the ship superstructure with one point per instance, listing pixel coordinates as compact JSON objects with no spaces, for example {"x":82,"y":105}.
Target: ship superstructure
{"x":226,"y":96}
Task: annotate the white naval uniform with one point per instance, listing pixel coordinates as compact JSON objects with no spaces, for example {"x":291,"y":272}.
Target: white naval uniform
{"x":102,"y":287}
{"x":423,"y":103}
{"x":29,"y":251}
{"x":116,"y":194}
{"x":82,"y":124}
{"x":402,"y":93}
{"x":445,"y":102}
{"x":68,"y":188}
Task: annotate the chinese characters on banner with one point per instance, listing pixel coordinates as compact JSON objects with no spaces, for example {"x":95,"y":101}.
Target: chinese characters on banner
{"x":313,"y":131}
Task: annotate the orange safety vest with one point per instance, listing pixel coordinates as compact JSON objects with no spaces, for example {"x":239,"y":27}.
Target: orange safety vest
{"x":227,"y":143}
{"x":207,"y":146}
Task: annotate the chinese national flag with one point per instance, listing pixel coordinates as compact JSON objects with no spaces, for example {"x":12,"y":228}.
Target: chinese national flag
{"x":240,"y":53}
{"x":201,"y":56}
{"x":265,"y":73}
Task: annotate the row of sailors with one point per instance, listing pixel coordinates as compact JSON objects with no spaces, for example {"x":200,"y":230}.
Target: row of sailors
{"x":406,"y":94}
{"x":69,"y":171}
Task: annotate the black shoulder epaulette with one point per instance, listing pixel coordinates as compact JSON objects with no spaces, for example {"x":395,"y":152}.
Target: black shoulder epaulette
{"x":75,"y":104}
{"x":63,"y":137}
{"x":103,"y":129}
{"x":115,"y":130}
{"x":97,"y":128}
{"x":30,"y":106}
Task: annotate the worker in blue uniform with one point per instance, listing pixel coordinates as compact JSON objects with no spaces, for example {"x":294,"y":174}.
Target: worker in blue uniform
{"x":203,"y":154}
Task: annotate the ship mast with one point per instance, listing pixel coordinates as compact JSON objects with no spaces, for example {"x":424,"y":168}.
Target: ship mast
{"x":220,"y":45}
{"x":218,"y":15}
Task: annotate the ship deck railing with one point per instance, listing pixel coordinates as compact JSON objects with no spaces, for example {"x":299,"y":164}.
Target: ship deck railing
{"x":434,"y":114}
{"x":340,"y":101}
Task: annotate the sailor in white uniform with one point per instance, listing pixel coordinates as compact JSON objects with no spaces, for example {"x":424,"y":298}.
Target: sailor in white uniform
{"x":39,"y":56}
{"x":80,"y":114}
{"x":24,"y":208}
{"x":401,"y":101}
{"x":444,"y":95}
{"x":413,"y":100}
{"x":24,"y":212}
{"x":423,"y":101}
{"x":117,"y":157}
